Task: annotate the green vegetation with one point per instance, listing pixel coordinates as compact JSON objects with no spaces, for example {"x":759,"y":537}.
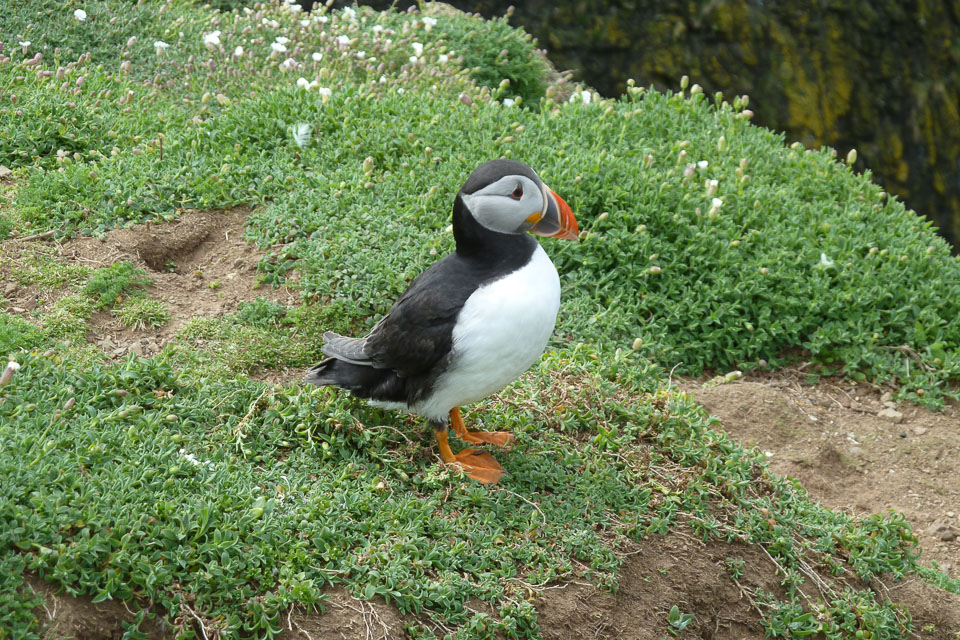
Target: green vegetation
{"x":107,"y":285}
{"x":140,"y":313}
{"x":178,"y":480}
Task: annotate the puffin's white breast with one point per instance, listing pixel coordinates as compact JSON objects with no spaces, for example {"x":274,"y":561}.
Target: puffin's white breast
{"x":501,"y":330}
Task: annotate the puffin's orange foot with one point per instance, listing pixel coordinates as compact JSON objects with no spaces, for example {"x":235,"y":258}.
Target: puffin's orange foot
{"x":479,"y":465}
{"x":498,"y":438}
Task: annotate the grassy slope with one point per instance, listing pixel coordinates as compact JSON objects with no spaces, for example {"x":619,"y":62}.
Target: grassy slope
{"x":180,"y":480}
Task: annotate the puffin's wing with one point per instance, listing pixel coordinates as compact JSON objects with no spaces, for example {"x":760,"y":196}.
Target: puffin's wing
{"x":417,"y":334}
{"x":344,"y":348}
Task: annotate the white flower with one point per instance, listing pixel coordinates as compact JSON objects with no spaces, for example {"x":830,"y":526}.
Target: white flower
{"x":212,"y":39}
{"x":442,"y":58}
{"x":303,"y":82}
{"x":349,"y":13}
{"x":417,"y":48}
{"x":270,"y":23}
{"x":13,"y":366}
{"x":289,"y":63}
{"x":294,"y":8}
{"x":325,"y":93}
{"x":23,"y":45}
{"x":304,"y":23}
{"x":282,"y":39}
{"x":712,"y":187}
{"x":413,"y":59}
{"x":160,"y":46}
{"x":320,"y":18}
{"x":715,"y":205}
{"x":383,"y":79}
{"x":401,"y":90}
{"x":343,"y":40}
{"x":826,"y":262}
{"x":361,"y":55}
{"x":429,"y":22}
{"x":509,"y":102}
{"x":377,"y":28}
{"x":703,"y":164}
{"x":238,"y":52}
{"x":317,"y":56}
{"x":80,"y":15}
{"x":279,"y":48}
{"x":587,"y":96}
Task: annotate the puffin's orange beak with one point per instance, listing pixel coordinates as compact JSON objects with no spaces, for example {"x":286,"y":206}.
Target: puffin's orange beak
{"x":557,"y":220}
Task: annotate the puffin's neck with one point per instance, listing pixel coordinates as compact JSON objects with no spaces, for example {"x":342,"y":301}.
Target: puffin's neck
{"x":476,"y":241}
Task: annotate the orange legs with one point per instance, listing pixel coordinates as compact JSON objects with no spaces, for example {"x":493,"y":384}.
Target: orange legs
{"x":498,"y":438}
{"x":477,"y":464}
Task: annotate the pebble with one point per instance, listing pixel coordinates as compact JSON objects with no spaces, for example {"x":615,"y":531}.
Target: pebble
{"x":10,"y":289}
{"x":919,"y":430}
{"x":886,"y":397}
{"x":890,"y":414}
{"x":943,"y":531}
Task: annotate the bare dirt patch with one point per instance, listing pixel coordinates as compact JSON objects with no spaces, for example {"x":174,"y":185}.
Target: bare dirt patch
{"x":79,"y":618}
{"x":851,"y":450}
{"x":200,"y":264}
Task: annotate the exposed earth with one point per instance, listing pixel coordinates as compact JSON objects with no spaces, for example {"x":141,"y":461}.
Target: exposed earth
{"x":847,"y":445}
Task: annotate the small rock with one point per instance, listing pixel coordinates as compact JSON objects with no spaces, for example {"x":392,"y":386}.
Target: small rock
{"x":942,"y":531}
{"x":890,"y":405}
{"x":950,"y":514}
{"x":4,"y":171}
{"x":886,"y":397}
{"x":18,"y":309}
{"x":890,"y":414}
{"x":919,"y":431}
{"x":856,"y":451}
{"x":10,"y":289}
{"x":136,"y":348}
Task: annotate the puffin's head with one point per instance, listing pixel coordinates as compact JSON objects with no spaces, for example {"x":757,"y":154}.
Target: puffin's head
{"x":508,"y":197}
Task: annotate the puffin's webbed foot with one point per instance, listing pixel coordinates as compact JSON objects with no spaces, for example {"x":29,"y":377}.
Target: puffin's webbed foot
{"x":498,"y":438}
{"x":477,"y":464}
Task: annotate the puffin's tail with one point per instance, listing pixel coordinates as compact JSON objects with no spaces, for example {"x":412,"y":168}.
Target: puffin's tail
{"x":345,"y":368}
{"x":362,"y":381}
{"x":323,"y":374}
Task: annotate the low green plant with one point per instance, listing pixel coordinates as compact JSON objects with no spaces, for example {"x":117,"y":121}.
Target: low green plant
{"x":261,"y":313}
{"x":108,"y":284}
{"x":678,"y":621}
{"x":140,"y":313}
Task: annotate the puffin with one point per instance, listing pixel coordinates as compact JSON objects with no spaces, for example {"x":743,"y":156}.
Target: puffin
{"x":470,"y":324}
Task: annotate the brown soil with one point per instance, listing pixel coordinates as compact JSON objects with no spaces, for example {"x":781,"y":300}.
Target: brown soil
{"x":834,"y":438}
{"x":829,"y":436}
{"x":201,"y":266}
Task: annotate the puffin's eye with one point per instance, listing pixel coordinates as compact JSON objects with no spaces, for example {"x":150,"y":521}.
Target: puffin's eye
{"x":517,"y":193}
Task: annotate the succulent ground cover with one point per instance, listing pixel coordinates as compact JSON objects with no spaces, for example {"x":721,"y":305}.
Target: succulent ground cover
{"x":213,"y":502}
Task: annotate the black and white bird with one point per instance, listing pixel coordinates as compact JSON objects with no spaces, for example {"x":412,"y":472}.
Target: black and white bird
{"x":470,"y":324}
